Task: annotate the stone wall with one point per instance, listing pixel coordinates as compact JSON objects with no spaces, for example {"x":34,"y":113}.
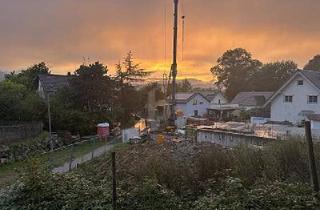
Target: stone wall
{"x":19,"y":132}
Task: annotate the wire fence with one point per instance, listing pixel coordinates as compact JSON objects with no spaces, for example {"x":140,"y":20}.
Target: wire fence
{"x":66,"y":158}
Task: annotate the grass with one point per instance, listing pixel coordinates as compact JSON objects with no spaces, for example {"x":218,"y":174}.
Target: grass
{"x":59,"y":157}
{"x":9,"y":172}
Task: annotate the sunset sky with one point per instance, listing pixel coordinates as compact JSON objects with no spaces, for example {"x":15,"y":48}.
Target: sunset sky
{"x":62,"y":32}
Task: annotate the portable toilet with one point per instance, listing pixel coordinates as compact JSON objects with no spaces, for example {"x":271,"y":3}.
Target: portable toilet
{"x":103,"y":130}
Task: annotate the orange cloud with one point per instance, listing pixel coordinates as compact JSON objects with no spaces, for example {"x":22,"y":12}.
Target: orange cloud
{"x":61,"y":32}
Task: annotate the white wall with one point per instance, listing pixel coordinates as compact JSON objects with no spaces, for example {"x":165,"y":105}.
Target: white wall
{"x":315,"y":125}
{"x":281,"y":111}
{"x":188,"y":108}
{"x":129,"y":133}
{"x":218,"y":97}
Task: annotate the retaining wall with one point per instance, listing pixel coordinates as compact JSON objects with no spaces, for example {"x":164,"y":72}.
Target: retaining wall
{"x":230,"y":139}
{"x":19,"y":132}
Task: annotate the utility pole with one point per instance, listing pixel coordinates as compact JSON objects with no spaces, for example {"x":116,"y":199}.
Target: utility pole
{"x":174,"y":64}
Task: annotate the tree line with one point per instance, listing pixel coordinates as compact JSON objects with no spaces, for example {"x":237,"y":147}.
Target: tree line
{"x":92,"y":96}
{"x":236,"y":71}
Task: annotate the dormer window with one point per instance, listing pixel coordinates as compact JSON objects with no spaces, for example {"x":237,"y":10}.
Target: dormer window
{"x":300,"y":82}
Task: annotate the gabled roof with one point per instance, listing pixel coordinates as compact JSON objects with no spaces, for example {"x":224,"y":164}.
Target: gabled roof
{"x":52,"y":83}
{"x":312,"y":76}
{"x":183,"y":98}
{"x":251,"y":98}
{"x":210,"y":95}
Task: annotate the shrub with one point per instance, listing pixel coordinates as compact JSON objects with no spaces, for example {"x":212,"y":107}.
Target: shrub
{"x":40,"y":189}
{"x":248,"y":164}
{"x":287,"y":161}
{"x":149,"y":196}
{"x":277,"y":195}
{"x":184,"y":176}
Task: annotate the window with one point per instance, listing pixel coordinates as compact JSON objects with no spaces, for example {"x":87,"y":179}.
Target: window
{"x":312,"y":99}
{"x":195,"y":113}
{"x":288,"y":99}
{"x":219,"y":102}
{"x":195,"y":102}
{"x":201,"y":102}
{"x":300,"y":82}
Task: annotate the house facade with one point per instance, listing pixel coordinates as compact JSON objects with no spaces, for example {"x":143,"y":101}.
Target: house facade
{"x":297,"y":99}
{"x":191,"y":104}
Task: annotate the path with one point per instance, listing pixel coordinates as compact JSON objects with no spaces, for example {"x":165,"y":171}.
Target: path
{"x":96,"y":153}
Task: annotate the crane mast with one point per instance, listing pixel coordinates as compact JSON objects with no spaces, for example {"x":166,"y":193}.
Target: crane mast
{"x":174,"y":65}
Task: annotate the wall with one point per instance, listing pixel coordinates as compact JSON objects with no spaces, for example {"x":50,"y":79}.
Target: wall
{"x":19,"y":132}
{"x":129,"y":133}
{"x":188,"y":108}
{"x":281,"y":111}
{"x":315,"y":125}
{"x":229,"y":139}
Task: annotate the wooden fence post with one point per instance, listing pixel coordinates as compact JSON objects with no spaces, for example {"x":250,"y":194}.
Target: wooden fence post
{"x":114,"y":181}
{"x":312,"y":162}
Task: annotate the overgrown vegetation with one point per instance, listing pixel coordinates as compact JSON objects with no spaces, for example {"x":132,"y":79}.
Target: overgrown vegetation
{"x":37,"y":148}
{"x":183,"y":176}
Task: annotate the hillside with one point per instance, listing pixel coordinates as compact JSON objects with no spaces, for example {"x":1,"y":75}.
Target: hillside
{"x":196,"y":83}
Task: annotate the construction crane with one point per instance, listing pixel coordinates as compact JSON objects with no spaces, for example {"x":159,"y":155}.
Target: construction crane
{"x":174,"y":65}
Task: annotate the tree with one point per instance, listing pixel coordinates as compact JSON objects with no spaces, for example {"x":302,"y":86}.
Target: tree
{"x":92,"y":88}
{"x":17,"y":103}
{"x":271,"y":76}
{"x":86,"y":102}
{"x":313,"y":64}
{"x":128,"y":71}
{"x":128,"y":100}
{"x":234,"y":70}
{"x":28,"y":77}
{"x":184,"y":86}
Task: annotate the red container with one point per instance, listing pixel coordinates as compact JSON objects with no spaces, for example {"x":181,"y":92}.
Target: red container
{"x":103,"y":130}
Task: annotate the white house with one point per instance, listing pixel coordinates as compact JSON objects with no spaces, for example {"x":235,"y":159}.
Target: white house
{"x":297,"y":99}
{"x":192,"y":104}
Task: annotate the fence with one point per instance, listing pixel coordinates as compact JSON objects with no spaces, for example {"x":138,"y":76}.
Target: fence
{"x":12,"y":133}
{"x":75,"y":154}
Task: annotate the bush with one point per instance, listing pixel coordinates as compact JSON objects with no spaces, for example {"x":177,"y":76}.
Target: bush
{"x":287,"y":161}
{"x":277,"y":195}
{"x":183,"y":176}
{"x":149,"y":196}
{"x":40,"y":189}
{"x":248,"y":164}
